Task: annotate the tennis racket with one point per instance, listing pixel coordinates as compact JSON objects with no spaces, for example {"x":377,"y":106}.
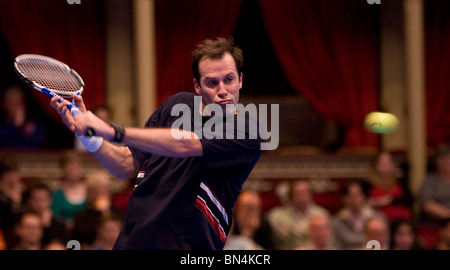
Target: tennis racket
{"x":51,"y":77}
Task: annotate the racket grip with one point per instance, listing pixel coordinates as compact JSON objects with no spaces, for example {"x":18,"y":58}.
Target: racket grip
{"x":75,"y":111}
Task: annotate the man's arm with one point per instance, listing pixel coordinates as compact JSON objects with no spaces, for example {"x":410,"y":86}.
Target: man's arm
{"x":117,"y":159}
{"x":436,"y":209}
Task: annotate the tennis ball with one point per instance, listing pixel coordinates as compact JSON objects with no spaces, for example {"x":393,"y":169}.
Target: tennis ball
{"x":379,"y":122}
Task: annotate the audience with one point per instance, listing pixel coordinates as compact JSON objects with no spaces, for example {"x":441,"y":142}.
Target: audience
{"x":18,"y":128}
{"x":70,"y":197}
{"x":38,"y":199}
{"x":404,"y":236}
{"x":107,"y":229}
{"x":376,"y":229}
{"x":388,"y":193}
{"x":443,"y":242}
{"x":10,"y":200}
{"x":434,"y":196}
{"x":348,"y":224}
{"x":29,"y":231}
{"x":98,"y":204}
{"x":290,"y":222}
{"x":250,"y":230}
{"x":36,"y":215}
{"x":320,"y":234}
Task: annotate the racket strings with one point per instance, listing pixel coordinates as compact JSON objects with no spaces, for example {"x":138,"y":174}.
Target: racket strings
{"x":50,"y":75}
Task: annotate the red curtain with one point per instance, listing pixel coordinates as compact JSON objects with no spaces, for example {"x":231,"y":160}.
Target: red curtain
{"x":180,"y":25}
{"x":73,"y":34}
{"x":328,"y":51}
{"x":437,"y":42}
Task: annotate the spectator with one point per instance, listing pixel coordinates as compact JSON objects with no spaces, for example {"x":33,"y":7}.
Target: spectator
{"x":18,"y":129}
{"x":320,"y":234}
{"x":71,"y":196}
{"x":250,"y":231}
{"x":443,"y":242}
{"x":348,"y":223}
{"x":404,"y":236}
{"x":2,"y":241}
{"x":10,"y":200}
{"x":107,"y":229}
{"x":55,"y":244}
{"x":387,"y":193}
{"x":29,"y":231}
{"x":290,"y":222}
{"x":98,"y":204}
{"x":434,"y":195}
{"x":38,"y":199}
{"x":376,"y":228}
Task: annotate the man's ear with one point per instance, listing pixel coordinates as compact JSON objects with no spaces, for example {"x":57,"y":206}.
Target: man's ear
{"x":197,"y":87}
{"x":241,"y":77}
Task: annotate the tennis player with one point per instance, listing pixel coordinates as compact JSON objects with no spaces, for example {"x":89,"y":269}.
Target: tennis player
{"x":185,"y":188}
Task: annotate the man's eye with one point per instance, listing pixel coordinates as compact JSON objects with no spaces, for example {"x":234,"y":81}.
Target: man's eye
{"x":211,"y":83}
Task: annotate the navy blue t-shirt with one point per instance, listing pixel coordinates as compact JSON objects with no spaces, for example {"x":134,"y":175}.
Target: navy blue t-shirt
{"x":186,"y":203}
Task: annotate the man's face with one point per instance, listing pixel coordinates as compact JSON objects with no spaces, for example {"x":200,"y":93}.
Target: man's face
{"x":219,"y":81}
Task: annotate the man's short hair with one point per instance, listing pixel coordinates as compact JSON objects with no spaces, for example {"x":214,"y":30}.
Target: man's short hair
{"x":215,"y":49}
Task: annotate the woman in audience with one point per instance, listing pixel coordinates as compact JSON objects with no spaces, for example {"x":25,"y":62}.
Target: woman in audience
{"x":70,"y":198}
{"x":404,"y":236}
{"x":387,"y":192}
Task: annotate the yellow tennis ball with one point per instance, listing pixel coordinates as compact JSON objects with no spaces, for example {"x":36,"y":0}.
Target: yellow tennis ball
{"x":379,"y":122}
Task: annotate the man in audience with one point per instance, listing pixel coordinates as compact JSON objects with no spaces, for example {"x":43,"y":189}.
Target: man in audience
{"x":434,"y":195}
{"x":290,"y":222}
{"x":29,"y":231}
{"x":348,"y":223}
{"x":320,"y":234}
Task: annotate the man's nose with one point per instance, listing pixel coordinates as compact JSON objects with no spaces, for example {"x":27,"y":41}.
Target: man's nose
{"x":222,"y":92}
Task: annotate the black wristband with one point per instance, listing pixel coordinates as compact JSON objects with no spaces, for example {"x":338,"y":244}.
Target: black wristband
{"x":119,"y":133}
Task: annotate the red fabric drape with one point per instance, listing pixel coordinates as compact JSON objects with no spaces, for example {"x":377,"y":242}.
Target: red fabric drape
{"x":180,"y":25}
{"x":437,"y":43}
{"x":73,"y":34}
{"x":328,"y":51}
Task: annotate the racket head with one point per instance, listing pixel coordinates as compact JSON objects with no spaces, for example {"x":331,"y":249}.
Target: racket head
{"x":45,"y":72}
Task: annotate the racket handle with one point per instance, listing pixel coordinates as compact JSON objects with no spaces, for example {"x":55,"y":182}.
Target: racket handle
{"x":72,"y":108}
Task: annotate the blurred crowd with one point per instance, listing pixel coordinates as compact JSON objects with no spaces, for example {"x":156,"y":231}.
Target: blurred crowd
{"x":378,"y":212}
{"x":81,"y":207}
{"x":37,"y":215}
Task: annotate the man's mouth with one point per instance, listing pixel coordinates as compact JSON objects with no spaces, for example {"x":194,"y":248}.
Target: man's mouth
{"x":224,"y":102}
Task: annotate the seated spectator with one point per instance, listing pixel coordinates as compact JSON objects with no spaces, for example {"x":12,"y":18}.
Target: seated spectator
{"x":38,"y":199}
{"x":290,"y":222}
{"x":2,"y":241}
{"x":70,"y":198}
{"x":320,"y":234}
{"x":10,"y":200}
{"x":376,"y":229}
{"x":434,"y":195}
{"x":443,"y":242}
{"x":348,"y":224}
{"x":404,"y":236}
{"x":98,"y":204}
{"x":29,"y":232}
{"x":107,"y":229}
{"x":55,"y":244}
{"x":250,"y":230}
{"x":387,"y":192}
{"x":18,"y":129}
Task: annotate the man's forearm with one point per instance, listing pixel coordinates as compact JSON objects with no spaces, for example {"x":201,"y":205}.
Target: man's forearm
{"x":161,"y":142}
{"x":117,"y":159}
